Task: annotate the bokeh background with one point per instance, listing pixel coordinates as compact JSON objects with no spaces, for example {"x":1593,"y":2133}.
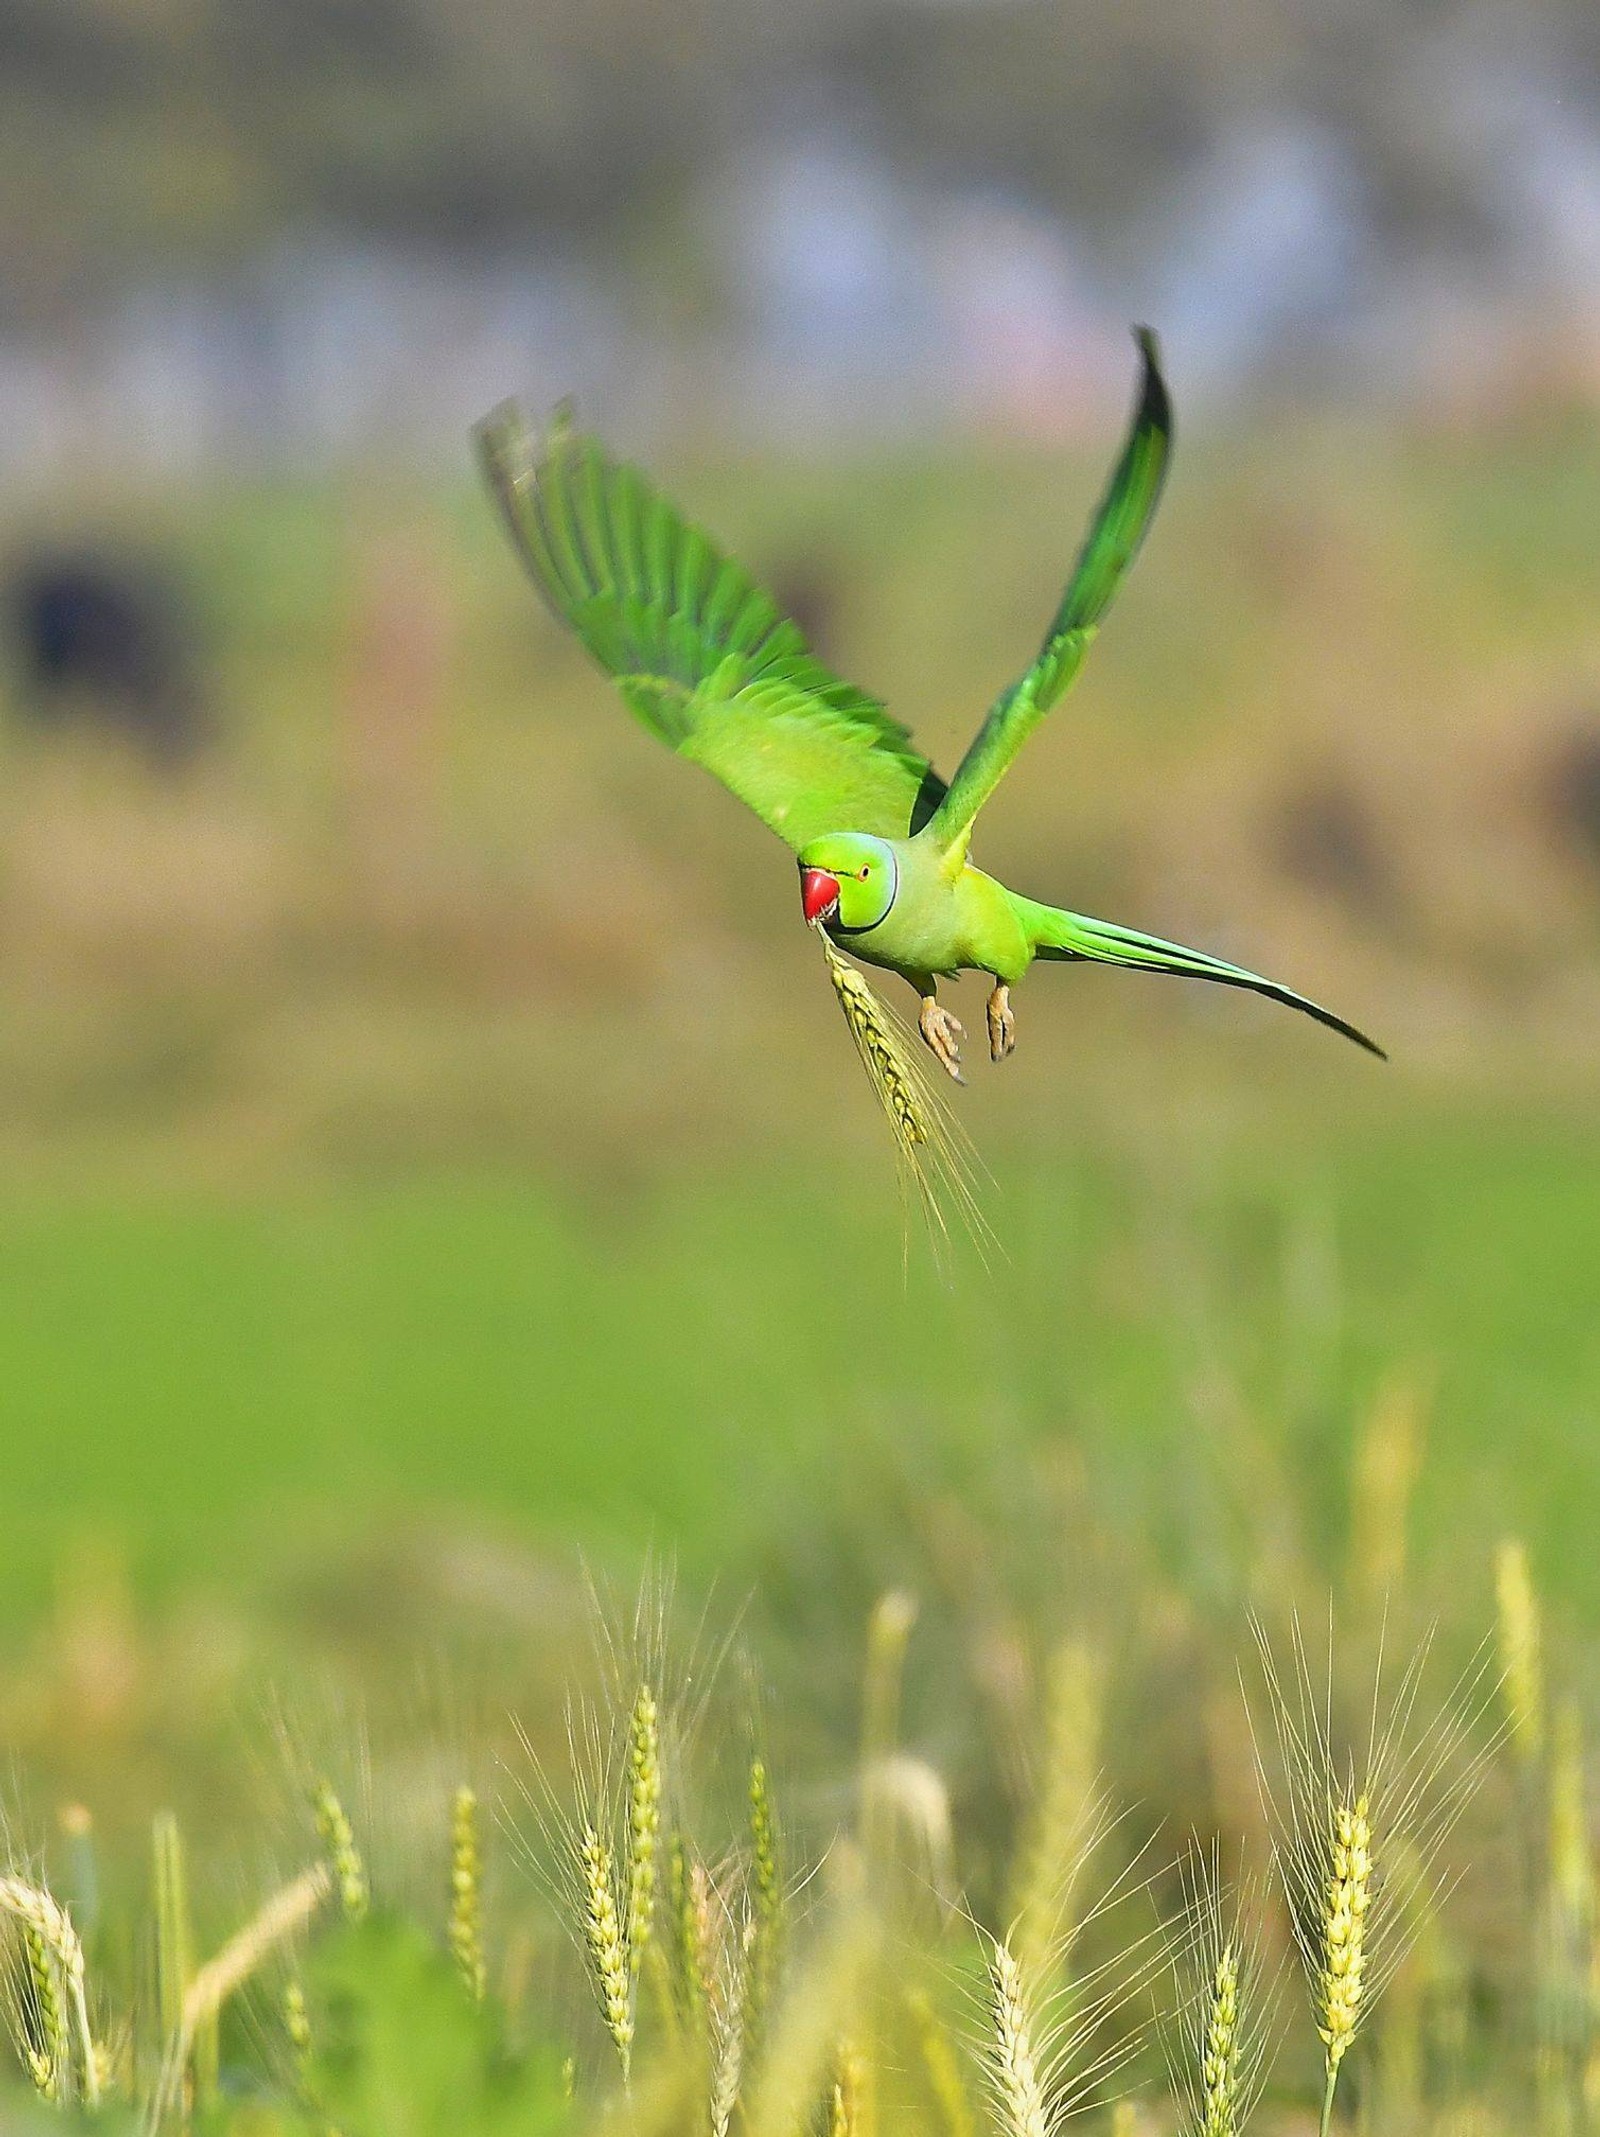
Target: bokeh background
{"x":430,"y":1147}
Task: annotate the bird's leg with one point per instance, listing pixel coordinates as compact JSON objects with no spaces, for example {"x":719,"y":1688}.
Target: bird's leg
{"x":1002,"y":1024}
{"x":941,"y":1032}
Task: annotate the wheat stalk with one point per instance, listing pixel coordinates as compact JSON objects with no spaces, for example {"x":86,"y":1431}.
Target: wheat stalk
{"x":766,"y":1891}
{"x":899,"y":1088}
{"x":1228,"y":2003}
{"x":644,"y":1822}
{"x":344,"y":1857}
{"x":1569,"y":1954}
{"x":1346,"y":1897}
{"x":285,"y":1912}
{"x":1048,"y":2042}
{"x":579,"y":1865}
{"x":297,"y":2022}
{"x":933,"y":1150}
{"x":940,"y":2065}
{"x":825,"y":1999}
{"x":54,"y":1955}
{"x":1014,"y":2064}
{"x":464,"y":1931}
{"x":41,"y":2029}
{"x":687,"y":1974}
{"x":728,"y":2021}
{"x":175,"y":1957}
{"x":278,"y":1918}
{"x":1519,"y":1645}
{"x":700,"y":1932}
{"x":848,"y":2114}
{"x":606,"y":1943}
{"x":1384,"y":1473}
{"x":1219,"y":2061}
{"x":727,"y":2071}
{"x":764,"y":1879}
{"x":1066,"y":1814}
{"x":1342,"y":1820}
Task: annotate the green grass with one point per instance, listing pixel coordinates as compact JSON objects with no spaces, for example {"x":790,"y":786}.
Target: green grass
{"x":202,"y":1376}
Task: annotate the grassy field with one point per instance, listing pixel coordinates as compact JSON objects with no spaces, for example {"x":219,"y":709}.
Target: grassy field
{"x":390,"y":1094}
{"x":199,"y":1375}
{"x":432,"y":1152}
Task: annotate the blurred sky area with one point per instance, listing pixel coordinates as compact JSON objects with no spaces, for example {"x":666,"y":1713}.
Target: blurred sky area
{"x":295,"y":229}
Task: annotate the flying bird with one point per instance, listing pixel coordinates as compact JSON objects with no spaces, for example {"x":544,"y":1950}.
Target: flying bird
{"x":704,"y":658}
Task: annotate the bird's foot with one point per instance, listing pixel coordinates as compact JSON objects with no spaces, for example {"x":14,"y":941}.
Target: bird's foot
{"x":1002,"y":1024}
{"x":942,"y":1034}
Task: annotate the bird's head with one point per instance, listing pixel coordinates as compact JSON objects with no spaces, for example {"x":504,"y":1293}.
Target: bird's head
{"x":848,"y":881}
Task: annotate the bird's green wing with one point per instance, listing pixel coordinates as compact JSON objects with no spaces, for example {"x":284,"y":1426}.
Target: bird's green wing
{"x":1112,"y":543}
{"x":698,"y":651}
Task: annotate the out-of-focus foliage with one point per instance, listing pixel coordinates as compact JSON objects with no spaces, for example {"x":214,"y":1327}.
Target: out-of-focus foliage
{"x":988,"y":1811}
{"x":433,"y":1062}
{"x":398,"y":2051}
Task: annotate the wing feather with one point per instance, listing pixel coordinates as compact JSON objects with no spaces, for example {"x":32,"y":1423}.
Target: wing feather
{"x":1113,"y":540}
{"x":627,"y":531}
{"x":699,"y":652}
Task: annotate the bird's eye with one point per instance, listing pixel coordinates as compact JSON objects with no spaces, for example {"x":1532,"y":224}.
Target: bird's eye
{"x":863,"y":873}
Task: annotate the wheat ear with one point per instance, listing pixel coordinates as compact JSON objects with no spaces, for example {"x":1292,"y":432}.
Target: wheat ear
{"x":1346,"y":1823}
{"x":644,"y":1822}
{"x":54,"y":1951}
{"x":933,"y":1150}
{"x":1219,"y":2060}
{"x":1221,"y":2057}
{"x":297,"y":2022}
{"x":898,"y":1087}
{"x":687,"y":1978}
{"x":344,"y":1857}
{"x":727,"y":2031}
{"x":1019,"y":2092}
{"x":606,"y":1944}
{"x":464,"y":1932}
{"x":766,"y":1891}
{"x":41,"y":2029}
{"x":1342,"y":1933}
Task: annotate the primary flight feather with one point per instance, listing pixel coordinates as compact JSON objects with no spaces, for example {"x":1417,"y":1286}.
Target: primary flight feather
{"x":707,"y":661}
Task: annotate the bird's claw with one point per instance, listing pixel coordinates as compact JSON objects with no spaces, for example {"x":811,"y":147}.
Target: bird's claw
{"x":1002,"y":1024}
{"x":942,"y":1034}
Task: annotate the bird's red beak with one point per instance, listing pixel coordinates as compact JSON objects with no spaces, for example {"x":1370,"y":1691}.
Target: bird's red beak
{"x":819,"y":893}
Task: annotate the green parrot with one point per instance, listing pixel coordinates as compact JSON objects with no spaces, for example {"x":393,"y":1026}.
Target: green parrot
{"x":706,"y":661}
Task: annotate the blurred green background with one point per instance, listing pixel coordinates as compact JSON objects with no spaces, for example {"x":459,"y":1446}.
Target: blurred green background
{"x":422,"y":1110}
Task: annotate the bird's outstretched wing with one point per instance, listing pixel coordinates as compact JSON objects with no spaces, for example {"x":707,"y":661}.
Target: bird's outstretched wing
{"x":699,"y":652}
{"x":1112,"y":543}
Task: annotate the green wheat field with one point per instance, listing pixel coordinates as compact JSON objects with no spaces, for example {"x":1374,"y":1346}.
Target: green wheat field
{"x":536,"y":1601}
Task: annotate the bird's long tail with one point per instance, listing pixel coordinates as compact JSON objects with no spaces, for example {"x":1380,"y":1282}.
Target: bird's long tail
{"x":1074,"y":936}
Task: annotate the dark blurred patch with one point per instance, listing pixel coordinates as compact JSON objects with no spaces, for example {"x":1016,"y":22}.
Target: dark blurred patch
{"x":1569,"y":786}
{"x":1324,"y":836}
{"x":103,"y":639}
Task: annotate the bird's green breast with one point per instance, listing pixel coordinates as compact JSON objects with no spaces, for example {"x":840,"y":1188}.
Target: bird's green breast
{"x":941,"y":924}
